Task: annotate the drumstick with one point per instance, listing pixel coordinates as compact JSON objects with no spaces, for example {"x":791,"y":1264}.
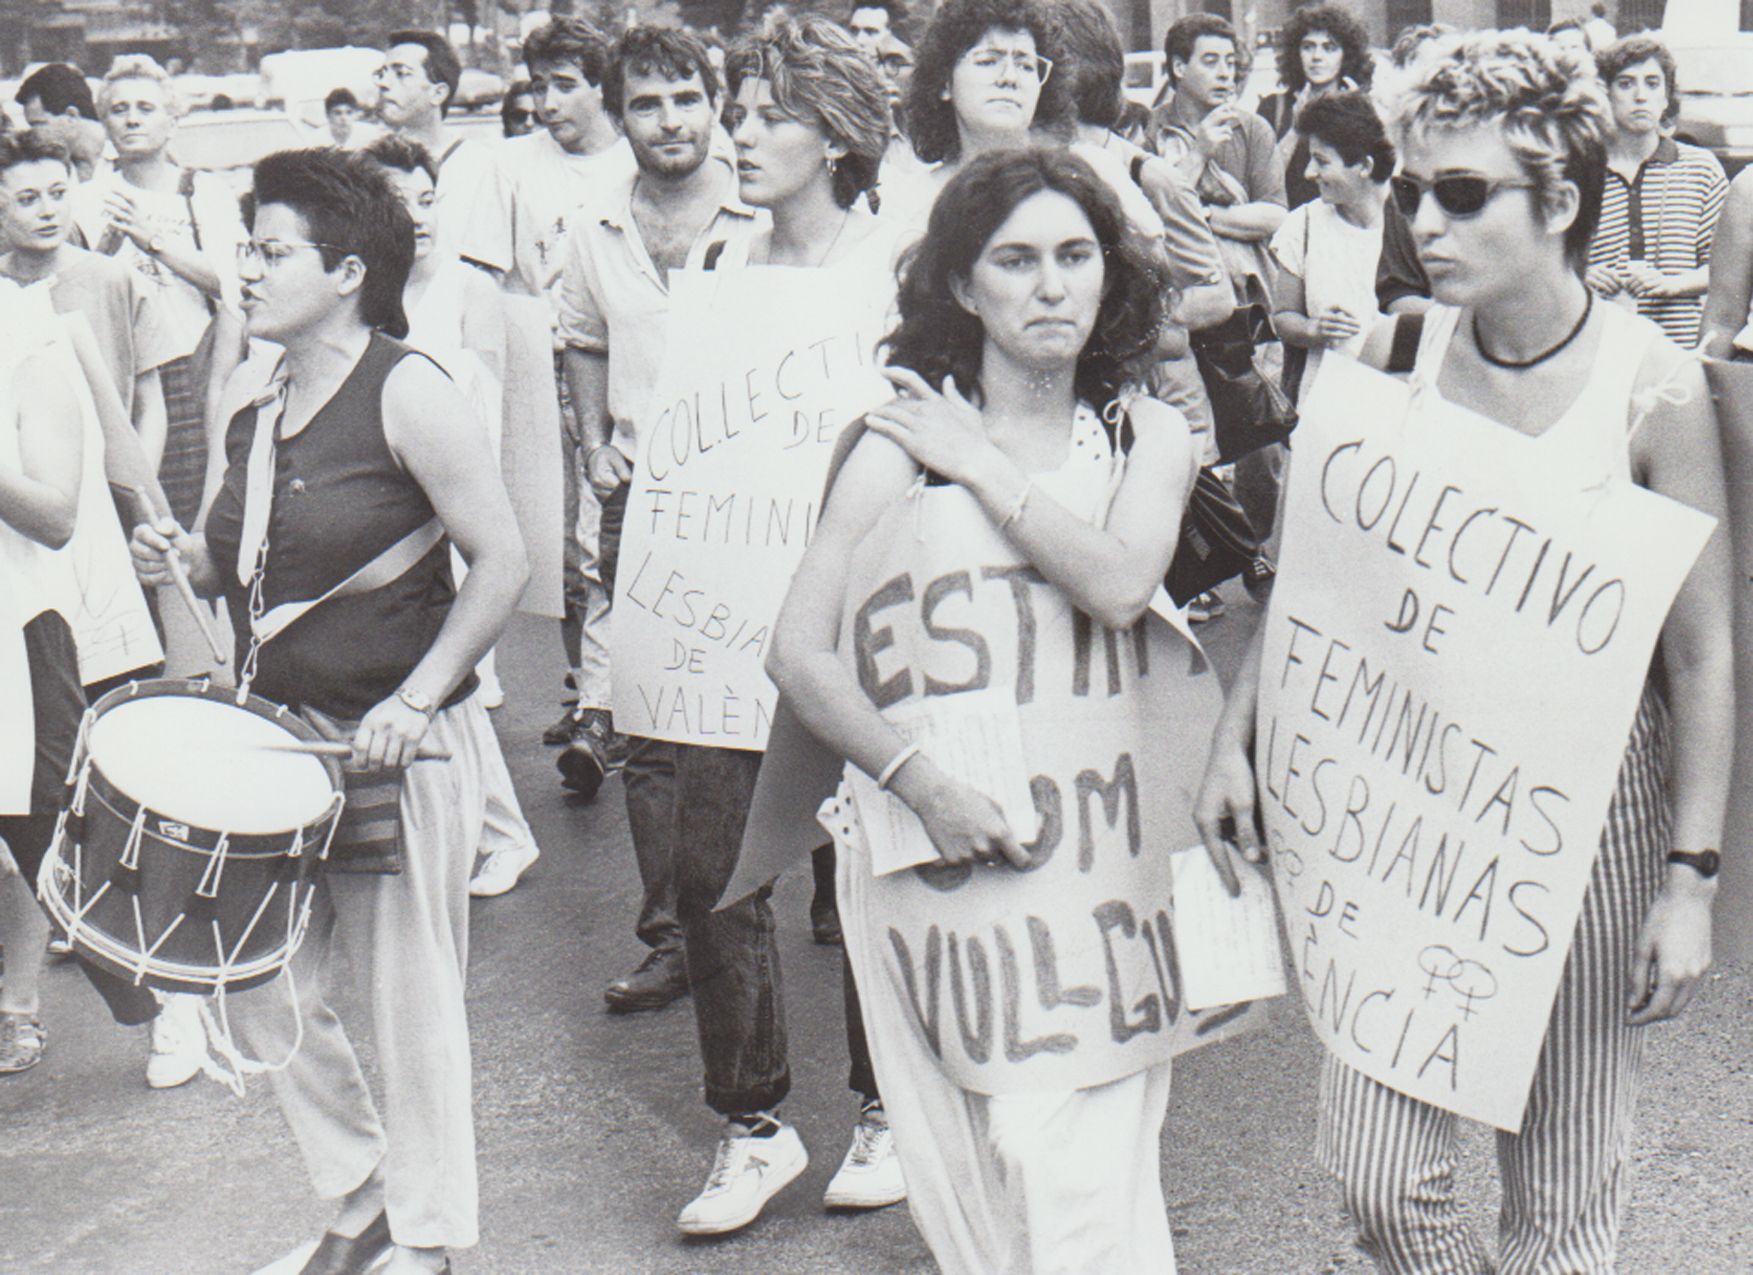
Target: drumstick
{"x":333,"y":748}
{"x":179,"y":573}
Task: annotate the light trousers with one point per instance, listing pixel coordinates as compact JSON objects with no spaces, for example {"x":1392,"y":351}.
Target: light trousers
{"x":1059,"y":1182}
{"x":406,"y":938}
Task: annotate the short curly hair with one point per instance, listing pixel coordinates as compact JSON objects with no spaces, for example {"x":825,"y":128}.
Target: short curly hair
{"x":958,"y":27}
{"x":138,"y":66}
{"x":1547,"y":102}
{"x":819,"y":74}
{"x":1354,"y":43}
{"x":655,"y":50}
{"x":938,"y":338}
{"x":1612,"y":61}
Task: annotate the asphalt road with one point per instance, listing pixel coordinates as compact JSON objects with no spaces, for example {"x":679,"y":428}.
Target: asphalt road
{"x":592,"y":1134}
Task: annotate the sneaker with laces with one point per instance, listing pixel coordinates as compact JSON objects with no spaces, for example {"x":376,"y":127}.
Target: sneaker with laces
{"x":746,"y":1173}
{"x":500,"y":870}
{"x":22,"y":1041}
{"x":179,"y":1041}
{"x":870,"y":1175}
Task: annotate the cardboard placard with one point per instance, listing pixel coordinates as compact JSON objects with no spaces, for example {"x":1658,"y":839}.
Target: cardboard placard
{"x":530,"y":453}
{"x":765,"y":366}
{"x":1731,"y":387}
{"x":1453,"y":657}
{"x":1064,"y":974}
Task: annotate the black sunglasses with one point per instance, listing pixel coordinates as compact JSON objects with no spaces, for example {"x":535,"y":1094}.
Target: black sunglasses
{"x":1458,"y":195}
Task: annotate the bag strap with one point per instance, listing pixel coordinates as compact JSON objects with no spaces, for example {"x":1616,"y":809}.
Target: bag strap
{"x":186,"y":189}
{"x":389,"y":565}
{"x":1403,"y":353}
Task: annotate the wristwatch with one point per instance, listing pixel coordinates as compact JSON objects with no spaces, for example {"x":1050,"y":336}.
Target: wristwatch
{"x":1707,"y":863}
{"x":415,"y":700}
{"x":154,"y":246}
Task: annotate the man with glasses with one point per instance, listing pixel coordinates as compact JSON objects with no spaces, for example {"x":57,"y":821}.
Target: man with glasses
{"x":415,"y":86}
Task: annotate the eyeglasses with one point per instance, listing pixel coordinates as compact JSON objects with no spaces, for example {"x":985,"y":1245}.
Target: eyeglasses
{"x":1458,"y":195}
{"x":991,"y":62}
{"x":269,"y":253}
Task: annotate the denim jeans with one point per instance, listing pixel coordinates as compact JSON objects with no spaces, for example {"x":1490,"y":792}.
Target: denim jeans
{"x":733,"y":960}
{"x":649,"y":780}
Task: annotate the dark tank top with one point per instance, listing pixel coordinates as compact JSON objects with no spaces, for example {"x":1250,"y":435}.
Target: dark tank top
{"x":340,"y":499}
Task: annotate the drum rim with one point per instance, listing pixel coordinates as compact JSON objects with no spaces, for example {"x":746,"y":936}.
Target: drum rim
{"x":205,"y":689}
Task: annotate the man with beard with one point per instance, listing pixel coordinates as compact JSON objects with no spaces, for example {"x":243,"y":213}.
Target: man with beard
{"x":614,"y":305}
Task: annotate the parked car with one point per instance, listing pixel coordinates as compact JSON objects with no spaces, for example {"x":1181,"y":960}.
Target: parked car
{"x":1716,"y":98}
{"x":230,"y":142}
{"x":216,"y":92}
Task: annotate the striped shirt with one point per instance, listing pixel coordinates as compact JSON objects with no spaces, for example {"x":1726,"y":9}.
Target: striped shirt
{"x":1667,"y":217}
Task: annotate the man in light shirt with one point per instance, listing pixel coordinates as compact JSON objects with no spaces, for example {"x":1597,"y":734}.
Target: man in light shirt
{"x":614,"y":309}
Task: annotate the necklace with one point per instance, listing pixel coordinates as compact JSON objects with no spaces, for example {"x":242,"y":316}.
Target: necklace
{"x":1521,"y":365}
{"x":832,"y":243}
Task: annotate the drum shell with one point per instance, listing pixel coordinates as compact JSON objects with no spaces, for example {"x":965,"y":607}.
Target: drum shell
{"x":171,"y":943}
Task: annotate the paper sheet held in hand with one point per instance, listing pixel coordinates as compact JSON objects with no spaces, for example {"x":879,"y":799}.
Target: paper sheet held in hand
{"x":981,"y":749}
{"x":1228,"y":948}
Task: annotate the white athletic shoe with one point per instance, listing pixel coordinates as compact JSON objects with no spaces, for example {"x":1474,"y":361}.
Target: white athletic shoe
{"x":501,"y":870}
{"x":747,"y":1172}
{"x":870,"y":1175}
{"x":179,"y":1041}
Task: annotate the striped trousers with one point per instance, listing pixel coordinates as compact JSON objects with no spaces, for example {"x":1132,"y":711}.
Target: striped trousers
{"x":1564,"y":1172}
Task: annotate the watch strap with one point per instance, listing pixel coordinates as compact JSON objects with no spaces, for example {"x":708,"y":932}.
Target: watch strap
{"x":1707,"y":863}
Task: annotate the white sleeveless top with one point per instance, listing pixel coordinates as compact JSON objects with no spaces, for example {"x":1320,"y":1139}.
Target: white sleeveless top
{"x":1596,"y":429}
{"x":36,"y":577}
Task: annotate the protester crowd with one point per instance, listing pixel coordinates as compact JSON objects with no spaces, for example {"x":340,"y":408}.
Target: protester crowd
{"x":1100,"y":325}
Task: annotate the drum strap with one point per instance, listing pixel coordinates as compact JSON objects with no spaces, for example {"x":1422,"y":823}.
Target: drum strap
{"x":387,"y":566}
{"x":270,"y":406}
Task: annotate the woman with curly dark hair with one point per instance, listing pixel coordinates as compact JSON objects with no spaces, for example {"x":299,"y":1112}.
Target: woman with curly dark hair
{"x":1321,"y":49}
{"x":993,"y":75}
{"x":1034,"y":500}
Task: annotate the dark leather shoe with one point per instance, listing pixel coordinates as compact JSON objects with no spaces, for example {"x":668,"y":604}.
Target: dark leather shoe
{"x":825,"y":924}
{"x":661,"y":978}
{"x":341,"y":1255}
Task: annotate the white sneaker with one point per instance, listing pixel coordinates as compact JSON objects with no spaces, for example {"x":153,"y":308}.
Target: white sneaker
{"x":501,"y":870}
{"x":747,"y":1172}
{"x":179,"y":1041}
{"x":870,"y":1175}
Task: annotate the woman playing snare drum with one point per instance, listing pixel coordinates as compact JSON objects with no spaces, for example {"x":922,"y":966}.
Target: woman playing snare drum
{"x":1026,"y":310}
{"x":361,"y":449}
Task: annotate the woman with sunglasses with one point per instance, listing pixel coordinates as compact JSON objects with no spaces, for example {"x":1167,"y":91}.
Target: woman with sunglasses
{"x":1504,"y":161}
{"x":363,"y":457}
{"x":1325,"y":292}
{"x":1028,"y":312}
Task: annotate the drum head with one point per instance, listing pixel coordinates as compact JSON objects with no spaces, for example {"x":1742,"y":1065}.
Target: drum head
{"x":202,"y":761}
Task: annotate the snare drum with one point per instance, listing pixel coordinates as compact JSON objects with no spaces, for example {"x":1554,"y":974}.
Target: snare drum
{"x":191,"y":846}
